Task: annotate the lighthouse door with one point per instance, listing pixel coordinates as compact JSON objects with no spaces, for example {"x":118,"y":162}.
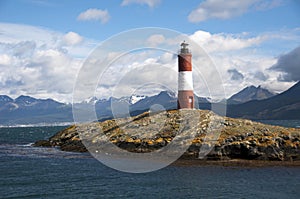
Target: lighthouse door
{"x":191,"y":102}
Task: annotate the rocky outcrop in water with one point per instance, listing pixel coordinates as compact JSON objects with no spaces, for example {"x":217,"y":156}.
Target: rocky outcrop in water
{"x":213,"y":137}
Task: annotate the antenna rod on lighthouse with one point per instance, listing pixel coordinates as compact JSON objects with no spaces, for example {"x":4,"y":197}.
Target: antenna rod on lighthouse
{"x":185,"y":78}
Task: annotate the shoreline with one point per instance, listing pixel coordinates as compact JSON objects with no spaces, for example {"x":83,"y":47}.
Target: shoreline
{"x":229,"y":163}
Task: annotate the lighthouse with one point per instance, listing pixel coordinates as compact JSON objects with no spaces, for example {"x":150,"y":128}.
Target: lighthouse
{"x":185,"y":78}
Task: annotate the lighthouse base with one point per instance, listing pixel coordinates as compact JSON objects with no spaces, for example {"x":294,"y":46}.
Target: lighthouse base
{"x":185,"y":100}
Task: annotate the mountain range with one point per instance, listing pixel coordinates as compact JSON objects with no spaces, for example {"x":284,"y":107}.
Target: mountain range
{"x":29,"y":110}
{"x":285,"y":105}
{"x":250,"y":93}
{"x":251,"y":102}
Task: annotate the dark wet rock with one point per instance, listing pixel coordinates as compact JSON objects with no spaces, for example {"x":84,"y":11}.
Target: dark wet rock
{"x":75,"y":146}
{"x":42,"y":143}
{"x":285,"y":137}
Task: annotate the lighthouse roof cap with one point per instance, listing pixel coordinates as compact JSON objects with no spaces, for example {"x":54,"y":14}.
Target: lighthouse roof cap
{"x":184,"y":49}
{"x":184,"y":44}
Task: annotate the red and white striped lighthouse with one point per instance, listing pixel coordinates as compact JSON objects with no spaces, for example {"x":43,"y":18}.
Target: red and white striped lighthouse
{"x":185,"y":78}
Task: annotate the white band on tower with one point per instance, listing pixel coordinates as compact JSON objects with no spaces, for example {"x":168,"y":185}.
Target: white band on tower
{"x":185,"y":81}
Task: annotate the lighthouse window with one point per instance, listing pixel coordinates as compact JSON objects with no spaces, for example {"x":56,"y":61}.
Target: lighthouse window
{"x":190,"y":99}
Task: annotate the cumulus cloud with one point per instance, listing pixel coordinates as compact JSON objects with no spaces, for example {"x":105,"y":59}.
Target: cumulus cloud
{"x":226,"y":9}
{"x":5,"y":60}
{"x":150,"y":3}
{"x":135,"y":71}
{"x":288,"y":64}
{"x":47,"y":66}
{"x":94,"y":14}
{"x":235,"y":63}
{"x":46,"y":73}
{"x":225,"y":42}
{"x":72,"y":38}
{"x":247,"y":54}
{"x":44,"y":67}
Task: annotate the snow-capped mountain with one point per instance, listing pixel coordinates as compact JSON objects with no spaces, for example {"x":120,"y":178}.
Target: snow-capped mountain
{"x":127,"y":99}
{"x":166,"y":99}
{"x":91,"y":100}
{"x":135,"y":98}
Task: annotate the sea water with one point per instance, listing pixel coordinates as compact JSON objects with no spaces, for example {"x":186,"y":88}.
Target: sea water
{"x":34,"y":172}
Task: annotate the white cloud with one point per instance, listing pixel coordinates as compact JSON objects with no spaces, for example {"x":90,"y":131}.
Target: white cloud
{"x":140,"y":77}
{"x":237,"y":61}
{"x":225,"y":42}
{"x":5,"y":60}
{"x":39,"y":62}
{"x":72,"y":38}
{"x":150,"y":3}
{"x":43,"y":64}
{"x":246,"y":54}
{"x":226,"y":9}
{"x":94,"y":14}
{"x":155,"y":40}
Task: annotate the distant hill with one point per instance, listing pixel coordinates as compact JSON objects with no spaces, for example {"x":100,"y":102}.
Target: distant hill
{"x":248,"y":94}
{"x":282,"y":106}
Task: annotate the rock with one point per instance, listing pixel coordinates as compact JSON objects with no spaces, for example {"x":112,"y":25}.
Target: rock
{"x":285,"y":137}
{"x":239,"y":138}
{"x":252,"y":143}
{"x":75,"y":146}
{"x":42,"y":143}
{"x":229,"y":140}
{"x":280,"y":142}
{"x":264,"y":139}
{"x":249,"y":134}
{"x":253,"y":153}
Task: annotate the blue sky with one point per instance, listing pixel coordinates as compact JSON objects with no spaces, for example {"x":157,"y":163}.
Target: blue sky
{"x":61,"y":15}
{"x":46,"y":42}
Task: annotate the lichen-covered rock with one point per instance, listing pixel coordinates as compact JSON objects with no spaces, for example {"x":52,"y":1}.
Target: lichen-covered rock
{"x":226,"y":137}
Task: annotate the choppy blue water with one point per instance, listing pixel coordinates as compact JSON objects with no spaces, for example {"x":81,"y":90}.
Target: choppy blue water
{"x":28,"y":172}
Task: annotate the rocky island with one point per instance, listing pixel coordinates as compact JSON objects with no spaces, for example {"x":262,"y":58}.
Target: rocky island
{"x":226,"y":138}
